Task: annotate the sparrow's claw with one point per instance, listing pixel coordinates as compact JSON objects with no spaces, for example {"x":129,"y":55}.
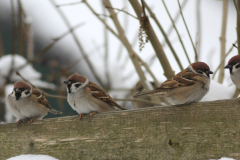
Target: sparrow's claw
{"x":81,"y":115}
{"x":92,"y":113}
{"x":33,"y":119}
{"x":19,"y":121}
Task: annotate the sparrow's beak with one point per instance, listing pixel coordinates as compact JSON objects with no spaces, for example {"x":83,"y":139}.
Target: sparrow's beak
{"x":209,"y":72}
{"x":228,"y":66}
{"x":67,"y":82}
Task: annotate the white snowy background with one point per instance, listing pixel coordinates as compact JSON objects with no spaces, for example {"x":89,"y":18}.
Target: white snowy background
{"x":48,"y":24}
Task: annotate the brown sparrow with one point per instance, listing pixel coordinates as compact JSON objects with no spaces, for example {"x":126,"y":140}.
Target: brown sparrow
{"x":189,"y":85}
{"x":28,"y":103}
{"x":86,"y":97}
{"x":234,"y":68}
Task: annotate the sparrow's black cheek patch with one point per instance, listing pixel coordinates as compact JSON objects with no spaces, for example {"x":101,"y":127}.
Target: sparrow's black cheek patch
{"x":77,"y":85}
{"x":17,"y":95}
{"x":69,"y":88}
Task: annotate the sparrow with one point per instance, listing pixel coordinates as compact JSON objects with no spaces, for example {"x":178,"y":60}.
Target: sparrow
{"x":234,"y":69}
{"x":27,"y":103}
{"x":86,"y":97}
{"x":189,"y":85}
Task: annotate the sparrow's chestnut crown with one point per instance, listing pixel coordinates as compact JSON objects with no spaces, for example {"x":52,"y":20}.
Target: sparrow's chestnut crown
{"x":22,"y":85}
{"x":200,"y":65}
{"x":78,"y":78}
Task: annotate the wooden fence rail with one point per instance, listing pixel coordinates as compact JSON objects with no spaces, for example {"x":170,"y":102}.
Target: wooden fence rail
{"x":206,"y":130}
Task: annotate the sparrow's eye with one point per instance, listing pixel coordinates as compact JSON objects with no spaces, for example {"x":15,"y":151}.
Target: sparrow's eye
{"x":237,"y":66}
{"x":73,"y":81}
{"x":77,"y":85}
{"x":199,"y":71}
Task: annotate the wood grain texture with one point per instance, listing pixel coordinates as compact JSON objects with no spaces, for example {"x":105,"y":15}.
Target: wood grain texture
{"x":207,"y":130}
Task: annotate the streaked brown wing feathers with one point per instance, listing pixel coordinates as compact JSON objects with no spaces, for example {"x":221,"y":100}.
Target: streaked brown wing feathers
{"x":184,"y":78}
{"x":40,"y":98}
{"x":101,"y":94}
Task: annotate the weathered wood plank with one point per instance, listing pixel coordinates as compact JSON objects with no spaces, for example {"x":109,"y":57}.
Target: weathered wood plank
{"x":198,"y":131}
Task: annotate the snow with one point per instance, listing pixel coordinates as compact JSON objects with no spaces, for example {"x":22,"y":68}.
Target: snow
{"x":225,"y":158}
{"x":32,"y":157}
{"x":28,"y":72}
{"x":8,"y":115}
{"x":219,"y":91}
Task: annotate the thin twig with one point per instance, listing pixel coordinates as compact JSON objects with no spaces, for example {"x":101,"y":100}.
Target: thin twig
{"x":44,"y":50}
{"x":1,"y":46}
{"x":168,"y":71}
{"x":106,"y":41}
{"x":22,"y":36}
{"x":14,"y":42}
{"x":45,"y":94}
{"x":199,"y":31}
{"x":138,"y":100}
{"x":121,"y":36}
{"x":187,"y":29}
{"x":125,"y":26}
{"x":121,"y":10}
{"x":17,"y":73}
{"x":149,"y":71}
{"x":179,"y":37}
{"x":165,"y":36}
{"x":223,"y":39}
{"x":77,"y":41}
{"x":234,"y":45}
{"x":222,"y":61}
{"x":68,"y":4}
{"x":176,"y":17}
{"x":235,"y":4}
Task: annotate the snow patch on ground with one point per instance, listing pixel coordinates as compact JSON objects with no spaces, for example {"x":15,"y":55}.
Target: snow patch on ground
{"x":32,"y":157}
{"x":219,"y":91}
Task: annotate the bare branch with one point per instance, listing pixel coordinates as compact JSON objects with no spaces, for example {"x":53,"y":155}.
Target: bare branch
{"x":139,"y":100}
{"x":165,"y":36}
{"x":187,"y":28}
{"x":179,"y":37}
{"x":168,"y":72}
{"x":223,"y":39}
{"x":81,"y":49}
{"x":234,"y":45}
{"x":199,"y":31}
{"x":222,"y":61}
{"x":45,"y":94}
{"x":68,"y":4}
{"x":121,"y":10}
{"x":44,"y":50}
{"x":106,"y":41}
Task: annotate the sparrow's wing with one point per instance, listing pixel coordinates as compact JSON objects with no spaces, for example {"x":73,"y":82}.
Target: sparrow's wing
{"x":40,"y":98}
{"x":102,"y":95}
{"x":184,"y":78}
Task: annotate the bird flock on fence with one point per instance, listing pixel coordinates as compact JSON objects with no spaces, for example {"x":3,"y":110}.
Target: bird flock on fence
{"x":85,"y":97}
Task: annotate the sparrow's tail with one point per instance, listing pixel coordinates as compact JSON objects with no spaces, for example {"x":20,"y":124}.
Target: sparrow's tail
{"x":53,"y":111}
{"x":155,"y":92}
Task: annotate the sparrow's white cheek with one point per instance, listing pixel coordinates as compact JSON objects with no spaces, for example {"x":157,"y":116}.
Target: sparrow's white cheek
{"x":235,"y":69}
